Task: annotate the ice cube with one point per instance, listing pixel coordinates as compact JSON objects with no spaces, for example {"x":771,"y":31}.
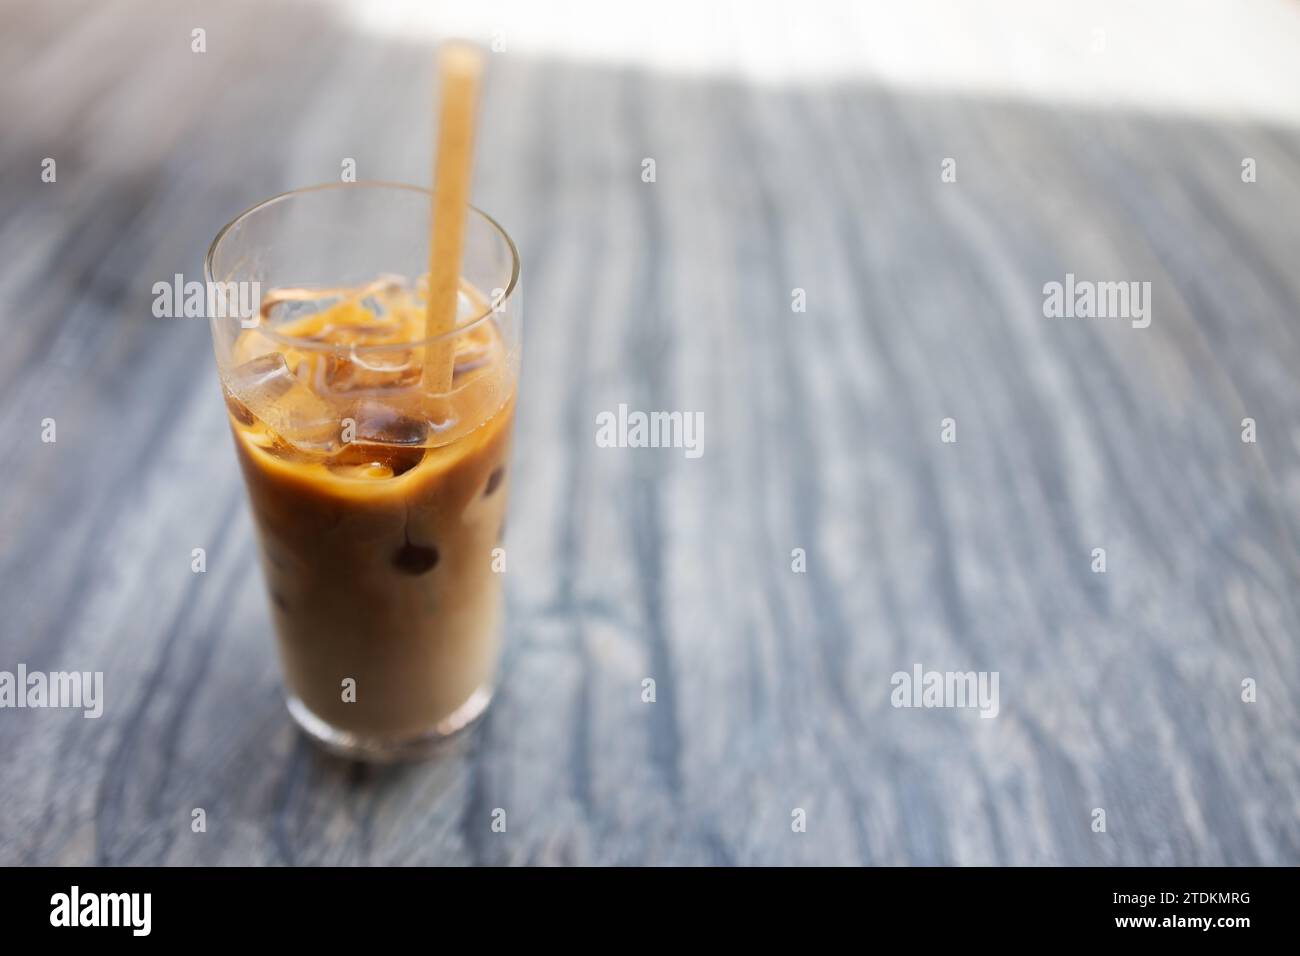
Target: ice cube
{"x":379,"y":296}
{"x":284,"y":307}
{"x":375,"y":461}
{"x":470,"y":356}
{"x":239,"y":410}
{"x":466,"y":307}
{"x":365,"y":471}
{"x":415,"y":559}
{"x":269,"y":390}
{"x":381,"y":423}
{"x":367,"y":371}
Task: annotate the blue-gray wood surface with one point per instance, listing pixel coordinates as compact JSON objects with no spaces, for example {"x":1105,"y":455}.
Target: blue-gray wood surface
{"x":1120,"y":690}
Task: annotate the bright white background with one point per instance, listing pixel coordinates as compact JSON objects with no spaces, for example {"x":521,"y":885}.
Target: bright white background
{"x":1236,"y":58}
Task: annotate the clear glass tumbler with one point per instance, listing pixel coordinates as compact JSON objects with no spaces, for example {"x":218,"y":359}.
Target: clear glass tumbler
{"x":375,"y":456}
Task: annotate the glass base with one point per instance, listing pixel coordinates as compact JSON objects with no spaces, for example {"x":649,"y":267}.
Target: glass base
{"x":389,"y":749}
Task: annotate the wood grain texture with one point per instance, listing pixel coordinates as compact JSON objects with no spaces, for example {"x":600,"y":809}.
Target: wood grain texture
{"x":822,"y":431}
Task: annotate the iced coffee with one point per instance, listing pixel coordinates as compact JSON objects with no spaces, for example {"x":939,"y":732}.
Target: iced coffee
{"x":378,"y":491}
{"x":378,"y":506}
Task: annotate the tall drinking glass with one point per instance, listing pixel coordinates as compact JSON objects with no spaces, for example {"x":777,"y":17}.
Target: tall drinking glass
{"x":376,"y":458}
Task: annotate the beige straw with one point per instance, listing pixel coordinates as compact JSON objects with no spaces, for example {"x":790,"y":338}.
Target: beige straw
{"x":460,"y":66}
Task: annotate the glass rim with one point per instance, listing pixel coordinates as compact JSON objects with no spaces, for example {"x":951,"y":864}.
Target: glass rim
{"x":302,"y":343}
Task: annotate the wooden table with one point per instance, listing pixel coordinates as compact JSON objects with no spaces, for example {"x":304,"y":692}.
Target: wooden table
{"x":1120,"y":690}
